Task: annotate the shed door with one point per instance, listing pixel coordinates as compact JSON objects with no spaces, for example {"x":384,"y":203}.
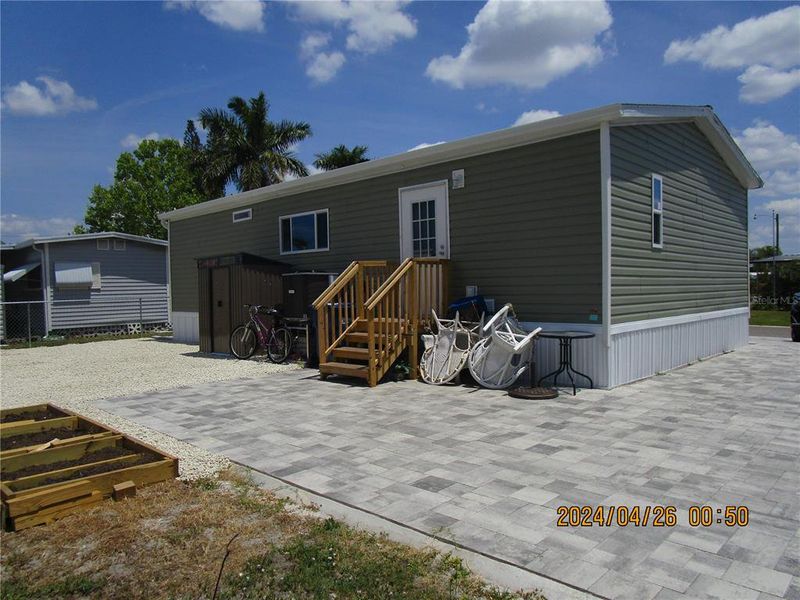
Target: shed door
{"x":424,"y":221}
{"x":220,"y":309}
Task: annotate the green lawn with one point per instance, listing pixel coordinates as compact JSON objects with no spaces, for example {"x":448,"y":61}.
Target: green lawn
{"x":769,"y":317}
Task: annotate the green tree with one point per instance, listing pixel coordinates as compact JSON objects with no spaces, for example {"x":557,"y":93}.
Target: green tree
{"x":247,"y":149}
{"x":341,"y":156}
{"x":199,"y":160}
{"x":764,"y":252}
{"x":154,"y":178}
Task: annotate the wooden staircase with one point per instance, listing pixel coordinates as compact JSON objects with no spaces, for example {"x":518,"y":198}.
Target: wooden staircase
{"x":372,"y":313}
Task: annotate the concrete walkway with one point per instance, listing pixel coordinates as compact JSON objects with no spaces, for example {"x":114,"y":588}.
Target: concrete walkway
{"x":488,"y":472}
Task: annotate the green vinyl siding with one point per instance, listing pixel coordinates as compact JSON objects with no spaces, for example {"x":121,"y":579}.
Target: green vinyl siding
{"x":703,"y":265}
{"x":526,"y":228}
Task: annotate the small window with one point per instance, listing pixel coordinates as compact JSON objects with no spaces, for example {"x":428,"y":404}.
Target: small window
{"x":304,"y":232}
{"x":119,"y":244}
{"x":96,"y":275}
{"x":103,"y":244}
{"x":242,"y":215}
{"x":657,"y":204}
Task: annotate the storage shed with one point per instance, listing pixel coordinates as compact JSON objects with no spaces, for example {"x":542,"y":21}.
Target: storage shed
{"x":225,"y":284}
{"x":628,"y":221}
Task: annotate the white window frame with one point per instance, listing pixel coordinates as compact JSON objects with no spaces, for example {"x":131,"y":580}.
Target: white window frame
{"x":96,"y":279}
{"x":119,"y":245}
{"x":303,"y":214}
{"x":654,"y":211}
{"x":245,"y":214}
{"x":103,"y":244}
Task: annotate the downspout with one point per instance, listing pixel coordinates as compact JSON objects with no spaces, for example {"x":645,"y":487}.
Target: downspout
{"x":45,"y":262}
{"x":605,"y":197}
{"x":165,"y":224}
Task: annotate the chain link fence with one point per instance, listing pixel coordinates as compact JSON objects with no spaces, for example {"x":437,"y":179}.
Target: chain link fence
{"x":28,"y":322}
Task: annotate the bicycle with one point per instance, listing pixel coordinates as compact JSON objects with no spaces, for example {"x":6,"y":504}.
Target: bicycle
{"x":275,"y":338}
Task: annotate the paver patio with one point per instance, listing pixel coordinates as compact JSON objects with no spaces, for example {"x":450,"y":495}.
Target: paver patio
{"x":488,"y":471}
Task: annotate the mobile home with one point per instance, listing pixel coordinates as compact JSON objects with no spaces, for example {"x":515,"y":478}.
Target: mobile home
{"x":628,"y":221}
{"x":87,"y":283}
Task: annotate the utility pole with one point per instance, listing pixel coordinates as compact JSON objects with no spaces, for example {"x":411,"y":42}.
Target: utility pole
{"x":776,"y":240}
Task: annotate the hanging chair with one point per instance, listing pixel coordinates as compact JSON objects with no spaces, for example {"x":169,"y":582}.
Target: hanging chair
{"x":446,"y":351}
{"x":503,"y":353}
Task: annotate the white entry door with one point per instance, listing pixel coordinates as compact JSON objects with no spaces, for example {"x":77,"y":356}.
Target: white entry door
{"x":425,"y":221}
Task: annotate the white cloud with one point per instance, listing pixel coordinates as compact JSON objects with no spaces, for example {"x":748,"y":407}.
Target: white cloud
{"x":776,"y":155}
{"x":424,"y":145}
{"x":133,"y":140}
{"x":15,"y":228}
{"x":761,"y":84}
{"x":532,"y":116}
{"x":525,"y":44}
{"x":371,"y":26}
{"x":767,"y":47}
{"x":52,"y":97}
{"x":239,"y":15}
{"x":324,"y":66}
{"x":769,"y":148}
{"x":773,"y":40}
{"x":761,"y":228}
{"x":320,"y":66}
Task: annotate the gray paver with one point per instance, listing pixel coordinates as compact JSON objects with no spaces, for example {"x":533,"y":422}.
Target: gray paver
{"x":489,"y":471}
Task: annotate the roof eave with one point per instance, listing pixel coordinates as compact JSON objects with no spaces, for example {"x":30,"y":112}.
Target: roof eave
{"x":491,"y":142}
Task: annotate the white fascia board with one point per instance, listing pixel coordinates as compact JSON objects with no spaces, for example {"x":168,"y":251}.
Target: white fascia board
{"x":482,"y":144}
{"x":90,"y":236}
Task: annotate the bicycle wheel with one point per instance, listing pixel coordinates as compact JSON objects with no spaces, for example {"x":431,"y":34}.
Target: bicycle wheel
{"x":279,"y":345}
{"x":243,"y":342}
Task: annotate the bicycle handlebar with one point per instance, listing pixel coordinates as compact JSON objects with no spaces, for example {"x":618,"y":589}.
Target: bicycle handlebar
{"x":259,"y":307}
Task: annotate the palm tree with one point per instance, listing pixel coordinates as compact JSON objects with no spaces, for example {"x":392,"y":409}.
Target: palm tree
{"x":247,"y":149}
{"x":341,"y":156}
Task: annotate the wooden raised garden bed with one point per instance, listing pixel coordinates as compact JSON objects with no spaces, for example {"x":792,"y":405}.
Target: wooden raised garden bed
{"x":54,"y":462}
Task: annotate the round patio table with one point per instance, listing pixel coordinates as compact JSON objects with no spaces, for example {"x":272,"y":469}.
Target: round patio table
{"x":565,"y":356}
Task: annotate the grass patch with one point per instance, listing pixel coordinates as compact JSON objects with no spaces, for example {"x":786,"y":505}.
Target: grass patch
{"x":70,"y":586}
{"x":81,"y":340}
{"x":169,"y":542}
{"x":769,"y":317}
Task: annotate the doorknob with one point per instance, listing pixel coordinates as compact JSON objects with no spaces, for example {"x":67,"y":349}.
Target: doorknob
{"x":219,"y":303}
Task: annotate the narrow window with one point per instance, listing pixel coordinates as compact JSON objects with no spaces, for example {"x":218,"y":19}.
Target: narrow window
{"x":657,"y":197}
{"x":119,"y":244}
{"x":304,"y":232}
{"x":103,"y":244}
{"x":96,"y":275}
{"x":242,"y":215}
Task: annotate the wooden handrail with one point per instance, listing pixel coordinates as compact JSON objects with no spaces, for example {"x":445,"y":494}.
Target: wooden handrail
{"x":336,"y":286}
{"x":381,"y":292}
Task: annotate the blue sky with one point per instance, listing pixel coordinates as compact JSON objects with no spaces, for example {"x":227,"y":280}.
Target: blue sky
{"x":82,"y":82}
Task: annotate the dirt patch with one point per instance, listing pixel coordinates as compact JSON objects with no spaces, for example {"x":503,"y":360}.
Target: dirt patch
{"x":99,"y":469}
{"x":33,"y":415}
{"x":104,"y":454}
{"x":32,"y":439}
{"x":169,"y":542}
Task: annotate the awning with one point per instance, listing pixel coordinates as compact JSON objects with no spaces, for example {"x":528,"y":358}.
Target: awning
{"x":73,"y":274}
{"x":18,"y":272}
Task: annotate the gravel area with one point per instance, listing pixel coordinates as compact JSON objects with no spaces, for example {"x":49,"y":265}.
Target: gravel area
{"x":75,"y":375}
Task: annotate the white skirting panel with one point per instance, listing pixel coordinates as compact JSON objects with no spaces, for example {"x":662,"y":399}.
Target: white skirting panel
{"x":588,"y":356}
{"x":186,"y":327}
{"x":643,"y":348}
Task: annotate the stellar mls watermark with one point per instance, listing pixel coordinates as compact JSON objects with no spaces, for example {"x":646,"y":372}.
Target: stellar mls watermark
{"x":771,"y":300}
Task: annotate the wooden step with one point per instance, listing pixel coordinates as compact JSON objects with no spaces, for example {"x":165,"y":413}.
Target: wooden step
{"x":337,"y":368}
{"x":351,"y":352}
{"x":358,"y":337}
{"x":361,"y":324}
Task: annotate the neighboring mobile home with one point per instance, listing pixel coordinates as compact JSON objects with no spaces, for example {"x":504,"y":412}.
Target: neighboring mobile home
{"x":84,"y":283}
{"x":629,"y":221}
